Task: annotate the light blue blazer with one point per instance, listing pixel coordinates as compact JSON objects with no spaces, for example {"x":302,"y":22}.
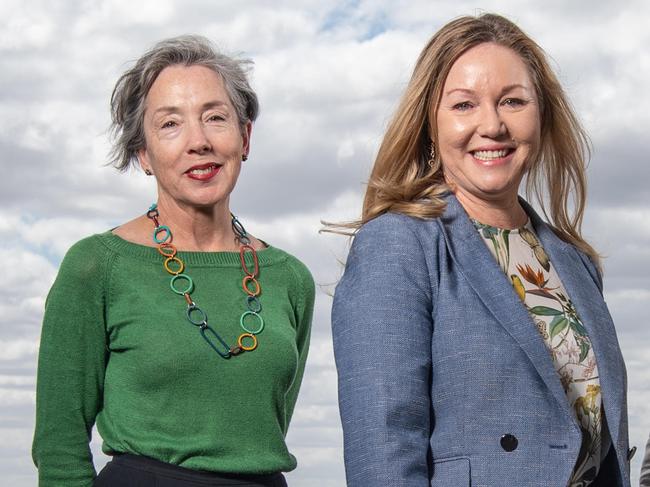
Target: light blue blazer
{"x":444,"y":379}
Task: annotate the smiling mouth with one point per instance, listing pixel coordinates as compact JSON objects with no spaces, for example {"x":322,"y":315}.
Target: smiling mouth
{"x":491,"y":155}
{"x":204,"y":171}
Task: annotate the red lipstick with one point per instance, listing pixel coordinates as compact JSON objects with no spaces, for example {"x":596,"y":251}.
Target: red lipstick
{"x":203,"y":172}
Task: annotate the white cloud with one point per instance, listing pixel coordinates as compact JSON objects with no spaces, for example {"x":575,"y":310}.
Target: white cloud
{"x":15,"y":349}
{"x":281,"y":28}
{"x":27,"y":275}
{"x":32,"y":29}
{"x":329,"y":77}
{"x":15,"y":397}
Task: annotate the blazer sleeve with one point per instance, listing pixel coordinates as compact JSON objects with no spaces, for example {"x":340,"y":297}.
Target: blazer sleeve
{"x":644,"y":480}
{"x":71,"y":367}
{"x":382,"y":327}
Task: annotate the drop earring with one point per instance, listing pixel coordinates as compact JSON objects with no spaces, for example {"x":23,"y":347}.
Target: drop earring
{"x":432,"y":156}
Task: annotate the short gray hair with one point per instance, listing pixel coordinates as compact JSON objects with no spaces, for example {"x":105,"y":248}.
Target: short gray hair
{"x":129,"y":94}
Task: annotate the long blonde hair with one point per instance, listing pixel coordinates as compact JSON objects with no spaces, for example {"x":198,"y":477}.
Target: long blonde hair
{"x":403,"y":178}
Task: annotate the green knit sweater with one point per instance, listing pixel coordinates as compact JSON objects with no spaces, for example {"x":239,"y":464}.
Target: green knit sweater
{"x":117,"y":349}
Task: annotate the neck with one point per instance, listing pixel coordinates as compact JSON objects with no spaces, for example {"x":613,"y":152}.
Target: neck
{"x":203,"y":229}
{"x":501,"y":213}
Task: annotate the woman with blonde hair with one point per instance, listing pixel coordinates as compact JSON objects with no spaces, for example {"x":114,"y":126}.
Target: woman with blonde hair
{"x":472,"y":341}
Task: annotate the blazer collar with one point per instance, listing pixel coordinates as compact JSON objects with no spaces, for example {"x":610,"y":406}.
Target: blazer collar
{"x":584,"y":292}
{"x":494,"y":289}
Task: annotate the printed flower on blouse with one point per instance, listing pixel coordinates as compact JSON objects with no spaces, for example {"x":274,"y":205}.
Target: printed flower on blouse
{"x":562,"y":313}
{"x":589,"y":369}
{"x":593,"y":390}
{"x":536,"y":278}
{"x":587,"y":409}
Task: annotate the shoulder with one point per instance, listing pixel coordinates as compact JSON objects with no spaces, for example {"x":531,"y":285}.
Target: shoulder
{"x":88,"y":262}
{"x":395,"y":232}
{"x":396,"y":224}
{"x":86,"y":256}
{"x":392,"y":267}
{"x":299,"y":272}
{"x":394,"y":247}
{"x":84,"y":269}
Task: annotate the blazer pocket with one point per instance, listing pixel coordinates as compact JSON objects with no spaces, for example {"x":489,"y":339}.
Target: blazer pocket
{"x":451,"y":472}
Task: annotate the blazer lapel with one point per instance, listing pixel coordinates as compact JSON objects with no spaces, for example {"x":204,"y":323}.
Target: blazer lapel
{"x":587,"y":299}
{"x":493,"y":288}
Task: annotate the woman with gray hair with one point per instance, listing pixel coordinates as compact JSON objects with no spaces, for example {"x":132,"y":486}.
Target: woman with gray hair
{"x":182,"y":336}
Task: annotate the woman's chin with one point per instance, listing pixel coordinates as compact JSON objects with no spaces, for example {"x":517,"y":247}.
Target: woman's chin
{"x":488,"y":193}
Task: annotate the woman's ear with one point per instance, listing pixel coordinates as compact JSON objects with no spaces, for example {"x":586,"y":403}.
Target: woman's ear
{"x":246,"y":139}
{"x":143,"y":159}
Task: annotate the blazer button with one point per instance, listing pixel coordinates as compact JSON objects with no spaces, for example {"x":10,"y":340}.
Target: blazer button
{"x":509,"y":442}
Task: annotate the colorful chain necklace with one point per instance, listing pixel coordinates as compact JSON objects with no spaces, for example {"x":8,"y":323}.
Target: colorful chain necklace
{"x":162,"y":236}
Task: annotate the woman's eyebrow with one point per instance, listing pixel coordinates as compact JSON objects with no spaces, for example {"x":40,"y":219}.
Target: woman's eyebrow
{"x":505,"y":89}
{"x":175,"y":109}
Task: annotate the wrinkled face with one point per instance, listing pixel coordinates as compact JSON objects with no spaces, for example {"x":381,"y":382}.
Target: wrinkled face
{"x":194,"y":142}
{"x":488,"y":124}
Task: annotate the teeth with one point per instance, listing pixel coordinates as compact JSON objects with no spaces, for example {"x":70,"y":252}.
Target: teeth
{"x":487,"y":155}
{"x":202,"y":171}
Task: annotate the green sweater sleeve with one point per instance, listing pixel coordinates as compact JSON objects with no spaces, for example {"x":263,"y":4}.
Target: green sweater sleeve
{"x":71,"y":368}
{"x":304,"y":310}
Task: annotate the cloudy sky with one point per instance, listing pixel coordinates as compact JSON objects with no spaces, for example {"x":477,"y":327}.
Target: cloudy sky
{"x":328,"y":75}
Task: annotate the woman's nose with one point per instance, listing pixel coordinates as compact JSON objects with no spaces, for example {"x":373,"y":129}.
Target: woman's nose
{"x":491,"y":124}
{"x":198,"y":141}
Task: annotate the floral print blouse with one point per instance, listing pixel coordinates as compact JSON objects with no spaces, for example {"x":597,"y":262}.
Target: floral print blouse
{"x":521,"y":257}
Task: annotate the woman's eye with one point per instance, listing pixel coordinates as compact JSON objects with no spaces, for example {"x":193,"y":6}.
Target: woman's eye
{"x":462,"y":106}
{"x":513,"y":102}
{"x":168,"y":124}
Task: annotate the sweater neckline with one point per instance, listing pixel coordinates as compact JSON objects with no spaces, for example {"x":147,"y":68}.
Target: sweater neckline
{"x":266,"y":256}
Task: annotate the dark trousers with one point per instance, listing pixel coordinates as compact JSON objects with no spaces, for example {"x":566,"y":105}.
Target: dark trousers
{"x":135,"y":471}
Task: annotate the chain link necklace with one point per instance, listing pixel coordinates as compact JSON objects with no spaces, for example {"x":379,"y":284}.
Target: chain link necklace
{"x":183,"y":285}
